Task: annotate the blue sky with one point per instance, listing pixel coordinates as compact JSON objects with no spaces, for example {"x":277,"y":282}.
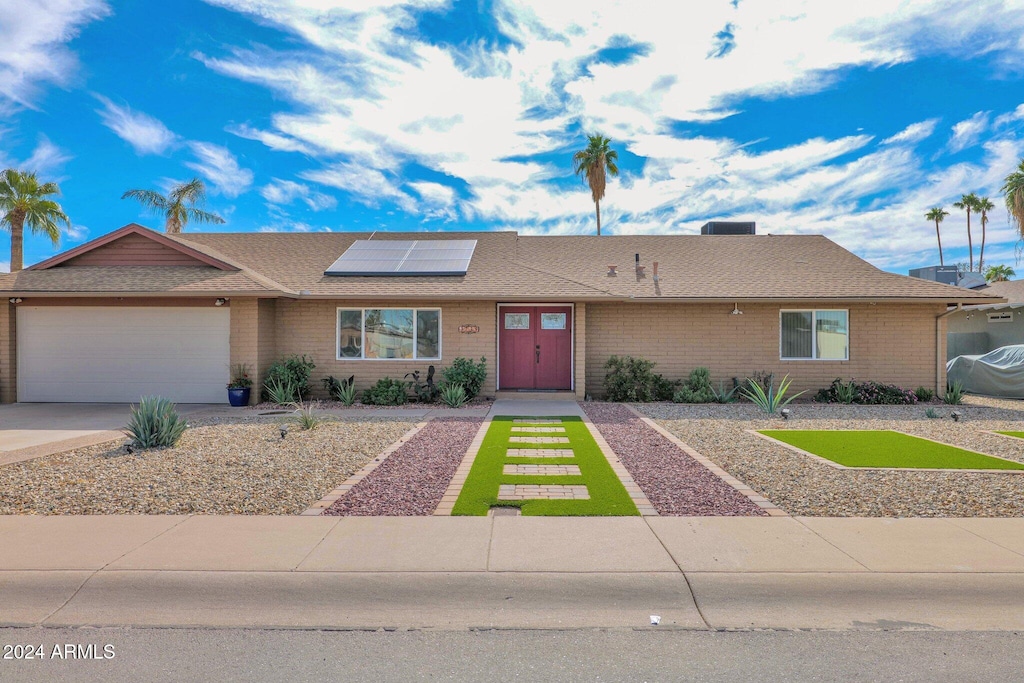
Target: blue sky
{"x":808,"y":117}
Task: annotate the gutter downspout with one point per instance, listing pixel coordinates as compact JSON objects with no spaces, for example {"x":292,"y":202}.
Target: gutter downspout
{"x":940,"y":363}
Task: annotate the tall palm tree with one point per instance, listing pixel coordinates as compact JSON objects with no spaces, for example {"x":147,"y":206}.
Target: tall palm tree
{"x":968,"y":202}
{"x":179,"y":206}
{"x":937,"y":214}
{"x":999,"y":273}
{"x":1013,"y":190}
{"x":24,"y":200}
{"x":984,"y":206}
{"x":593,"y":165}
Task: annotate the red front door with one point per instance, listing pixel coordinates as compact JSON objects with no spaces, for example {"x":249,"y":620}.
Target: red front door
{"x":535,"y":347}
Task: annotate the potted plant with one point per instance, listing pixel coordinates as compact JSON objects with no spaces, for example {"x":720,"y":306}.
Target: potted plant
{"x":240,"y":386}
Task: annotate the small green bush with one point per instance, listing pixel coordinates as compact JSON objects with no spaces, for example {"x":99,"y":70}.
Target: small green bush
{"x":386,"y":392}
{"x":697,"y":388}
{"x":865,"y":393}
{"x":453,"y":395}
{"x":924,"y":394}
{"x":155,"y":423}
{"x":466,"y":373}
{"x":631,"y":379}
{"x":931,"y":413}
{"x":294,"y":370}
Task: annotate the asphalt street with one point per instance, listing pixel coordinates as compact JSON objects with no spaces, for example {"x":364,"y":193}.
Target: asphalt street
{"x":184,"y":655}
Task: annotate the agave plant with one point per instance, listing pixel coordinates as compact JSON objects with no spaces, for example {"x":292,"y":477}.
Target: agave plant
{"x":155,"y":423}
{"x":772,"y":399}
{"x":453,"y":395}
{"x":281,"y":391}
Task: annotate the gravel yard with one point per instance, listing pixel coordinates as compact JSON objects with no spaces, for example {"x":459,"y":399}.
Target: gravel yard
{"x":220,"y":466}
{"x":675,"y":483}
{"x":412,"y":481}
{"x":802,"y":486}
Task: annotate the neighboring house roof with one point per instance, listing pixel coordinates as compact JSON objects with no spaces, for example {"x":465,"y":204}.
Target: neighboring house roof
{"x":1011,"y":290}
{"x":505,"y":266}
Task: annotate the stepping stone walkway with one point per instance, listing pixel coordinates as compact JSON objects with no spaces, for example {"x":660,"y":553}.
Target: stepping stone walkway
{"x":543,"y":470}
{"x":524,"y":421}
{"x":539,"y":453}
{"x":538,"y":439}
{"x":536,"y":491}
{"x":540,"y":430}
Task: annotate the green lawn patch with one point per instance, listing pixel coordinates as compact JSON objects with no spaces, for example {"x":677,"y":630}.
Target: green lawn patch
{"x":874,"y":448}
{"x":1016,"y":435}
{"x":479,"y":494}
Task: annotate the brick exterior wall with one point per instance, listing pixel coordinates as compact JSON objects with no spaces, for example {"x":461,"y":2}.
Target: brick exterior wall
{"x":580,"y":351}
{"x":309,"y":327}
{"x":893,"y":343}
{"x":8,"y":357}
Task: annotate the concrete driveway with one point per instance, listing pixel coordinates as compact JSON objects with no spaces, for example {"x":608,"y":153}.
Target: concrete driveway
{"x":31,"y":430}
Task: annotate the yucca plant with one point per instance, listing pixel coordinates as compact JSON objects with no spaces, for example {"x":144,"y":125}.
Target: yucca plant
{"x":281,"y":391}
{"x":453,"y":395}
{"x":846,"y":392}
{"x":155,"y":423}
{"x":723,"y":395}
{"x":347,"y":394}
{"x":770,"y":400}
{"x":954,"y":395}
{"x":305,"y":415}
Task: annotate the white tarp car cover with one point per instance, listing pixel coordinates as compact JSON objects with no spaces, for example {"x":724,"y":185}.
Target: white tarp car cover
{"x":997,"y":373}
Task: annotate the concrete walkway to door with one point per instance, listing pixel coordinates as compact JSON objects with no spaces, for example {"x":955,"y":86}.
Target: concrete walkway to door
{"x":32,"y":430}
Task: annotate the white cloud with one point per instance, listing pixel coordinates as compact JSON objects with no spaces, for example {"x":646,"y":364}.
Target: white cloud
{"x":287,"y":191}
{"x":220,"y":167}
{"x":367,"y":185}
{"x":5,"y":266}
{"x":1008,"y":118}
{"x":915,"y":132}
{"x":46,"y":158}
{"x":146,"y":134}
{"x":75,"y":233}
{"x":33,"y":44}
{"x":966,"y":133}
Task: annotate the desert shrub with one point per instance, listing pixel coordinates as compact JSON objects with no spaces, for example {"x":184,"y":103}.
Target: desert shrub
{"x":453,"y":395}
{"x":305,"y":415}
{"x":697,"y":388}
{"x":386,"y":392}
{"x":426,"y":391}
{"x":865,"y":393}
{"x":466,"y":373}
{"x":924,"y":394}
{"x":336,"y":388}
{"x":954,"y":395}
{"x":631,"y":379}
{"x":665,"y":389}
{"x":155,"y":423}
{"x":294,"y":371}
{"x":723,"y":395}
{"x":931,"y":413}
{"x":773,"y":399}
{"x":280,"y":390}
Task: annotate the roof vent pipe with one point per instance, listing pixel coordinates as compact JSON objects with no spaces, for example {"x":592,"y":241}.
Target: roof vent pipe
{"x":655,"y":271}
{"x":638,"y":260}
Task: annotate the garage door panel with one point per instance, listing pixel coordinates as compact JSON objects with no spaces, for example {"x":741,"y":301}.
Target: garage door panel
{"x":116,"y":354}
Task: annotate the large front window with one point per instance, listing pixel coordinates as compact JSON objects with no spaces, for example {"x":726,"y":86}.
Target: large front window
{"x":814,"y":335}
{"x":389,"y":333}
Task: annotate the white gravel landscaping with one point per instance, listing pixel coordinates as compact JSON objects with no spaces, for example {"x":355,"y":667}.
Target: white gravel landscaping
{"x":237,"y":465}
{"x":803,"y":486}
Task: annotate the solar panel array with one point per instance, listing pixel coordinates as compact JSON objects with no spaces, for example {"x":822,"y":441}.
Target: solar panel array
{"x":404,"y":257}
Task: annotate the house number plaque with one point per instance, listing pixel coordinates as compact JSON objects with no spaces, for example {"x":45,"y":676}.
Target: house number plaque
{"x":469,"y":329}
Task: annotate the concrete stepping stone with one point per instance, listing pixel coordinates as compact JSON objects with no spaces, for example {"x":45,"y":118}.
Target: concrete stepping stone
{"x":538,"y":439}
{"x":522,"y":421}
{"x":539,"y":430}
{"x":543,"y":470}
{"x":539,"y":453}
{"x":542,"y":492}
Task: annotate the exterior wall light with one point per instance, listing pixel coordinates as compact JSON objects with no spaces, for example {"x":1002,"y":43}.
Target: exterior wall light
{"x":220,"y":302}
{"x":784,"y":413}
{"x":956,"y":416}
{"x":15,"y":300}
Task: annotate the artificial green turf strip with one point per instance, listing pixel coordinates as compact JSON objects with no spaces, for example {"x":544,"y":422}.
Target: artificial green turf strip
{"x":480,"y":492}
{"x":873,"y":448}
{"x":1016,"y":435}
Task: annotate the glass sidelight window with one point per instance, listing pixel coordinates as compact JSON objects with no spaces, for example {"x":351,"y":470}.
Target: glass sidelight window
{"x":389,"y":334}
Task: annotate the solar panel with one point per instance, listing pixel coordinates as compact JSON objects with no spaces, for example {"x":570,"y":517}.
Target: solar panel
{"x":404,"y":257}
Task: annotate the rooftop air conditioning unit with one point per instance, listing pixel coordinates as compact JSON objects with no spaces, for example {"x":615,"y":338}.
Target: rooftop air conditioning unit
{"x":728,"y":228}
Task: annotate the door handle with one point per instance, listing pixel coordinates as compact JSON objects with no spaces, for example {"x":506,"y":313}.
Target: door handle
{"x":538,"y":353}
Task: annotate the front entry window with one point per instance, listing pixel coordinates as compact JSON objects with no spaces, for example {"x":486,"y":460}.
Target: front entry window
{"x":552,"y":321}
{"x":517,"y":321}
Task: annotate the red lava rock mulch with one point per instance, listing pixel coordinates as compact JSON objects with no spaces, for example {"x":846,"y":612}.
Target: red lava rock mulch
{"x":412,"y":481}
{"x":675,"y":483}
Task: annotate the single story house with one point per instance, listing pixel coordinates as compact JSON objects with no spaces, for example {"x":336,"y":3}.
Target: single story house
{"x":139,"y":312}
{"x":978,"y":329}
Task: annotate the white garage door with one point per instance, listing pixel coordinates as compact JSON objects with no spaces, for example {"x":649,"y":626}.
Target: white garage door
{"x":96,"y":354}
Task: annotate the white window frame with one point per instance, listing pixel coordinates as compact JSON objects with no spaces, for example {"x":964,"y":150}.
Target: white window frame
{"x":362,"y":333}
{"x":814,"y":334}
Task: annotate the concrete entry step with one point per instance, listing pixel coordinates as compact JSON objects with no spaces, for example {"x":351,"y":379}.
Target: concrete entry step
{"x":538,"y":439}
{"x":542,"y":492}
{"x":539,"y":430}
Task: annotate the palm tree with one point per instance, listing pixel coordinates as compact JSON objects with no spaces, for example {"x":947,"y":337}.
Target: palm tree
{"x":179,"y":206}
{"x":968,"y":202}
{"x":937,"y":214}
{"x":984,"y":206}
{"x":593,"y":165}
{"x":1013,"y":190}
{"x":24,"y":200}
{"x":999,"y":273}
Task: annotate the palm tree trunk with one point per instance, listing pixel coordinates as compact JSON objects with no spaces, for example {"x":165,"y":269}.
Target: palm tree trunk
{"x":938,"y":236}
{"x":17,"y":243}
{"x":597,"y":205}
{"x":970,"y":246}
{"x":981,"y":251}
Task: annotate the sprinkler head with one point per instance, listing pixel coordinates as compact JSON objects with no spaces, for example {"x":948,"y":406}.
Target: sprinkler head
{"x":284,"y":431}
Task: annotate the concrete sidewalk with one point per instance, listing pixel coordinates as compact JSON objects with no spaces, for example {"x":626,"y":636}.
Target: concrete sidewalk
{"x":512,"y":572}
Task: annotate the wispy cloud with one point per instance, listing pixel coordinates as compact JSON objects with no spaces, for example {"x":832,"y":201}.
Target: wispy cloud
{"x":218,"y":165}
{"x":367,"y":185}
{"x":966,"y":133}
{"x":284,"y":192}
{"x":33,"y":44}
{"x":915,"y":132}
{"x":46,"y":158}
{"x":146,"y":134}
